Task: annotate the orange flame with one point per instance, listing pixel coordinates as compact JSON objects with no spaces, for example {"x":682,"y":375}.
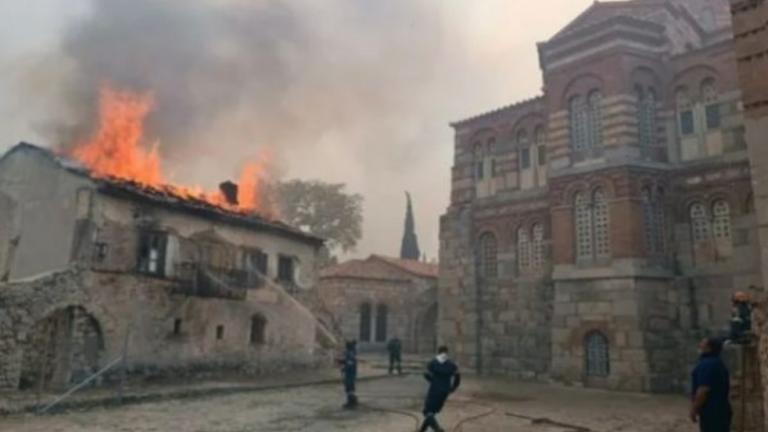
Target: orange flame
{"x":117,"y":150}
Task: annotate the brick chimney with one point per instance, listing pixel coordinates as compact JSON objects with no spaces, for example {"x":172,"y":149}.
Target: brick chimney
{"x":229,"y":190}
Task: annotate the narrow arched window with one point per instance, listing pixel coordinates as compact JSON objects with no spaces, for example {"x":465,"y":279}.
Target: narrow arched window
{"x":602,"y":228}
{"x":537,"y":246}
{"x":577,"y":114}
{"x":258,"y":330}
{"x":583,"y":219}
{"x":523,"y":249}
{"x":597,"y":355}
{"x":721,"y":220}
{"x":365,"y":322}
{"x":686,"y":120}
{"x":595,"y":119}
{"x":487,"y":256}
{"x":646,"y":117}
{"x":711,"y":105}
{"x":540,"y":141}
{"x":700,"y":230}
{"x":382,"y":313}
{"x":479,"y":162}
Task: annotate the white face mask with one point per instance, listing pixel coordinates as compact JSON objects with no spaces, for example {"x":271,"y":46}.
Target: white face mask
{"x":442,"y":358}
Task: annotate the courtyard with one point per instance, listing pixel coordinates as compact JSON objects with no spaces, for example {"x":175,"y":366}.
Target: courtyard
{"x":387,"y":404}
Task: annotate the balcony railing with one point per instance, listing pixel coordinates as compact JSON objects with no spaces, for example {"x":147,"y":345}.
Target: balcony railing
{"x":202,"y":280}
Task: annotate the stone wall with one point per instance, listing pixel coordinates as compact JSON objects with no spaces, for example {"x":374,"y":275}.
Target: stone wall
{"x":166,"y":333}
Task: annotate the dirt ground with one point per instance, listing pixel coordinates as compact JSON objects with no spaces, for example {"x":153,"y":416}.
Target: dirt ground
{"x":388,"y":405}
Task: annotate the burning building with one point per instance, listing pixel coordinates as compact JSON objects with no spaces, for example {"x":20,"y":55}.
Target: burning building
{"x":93,"y":266}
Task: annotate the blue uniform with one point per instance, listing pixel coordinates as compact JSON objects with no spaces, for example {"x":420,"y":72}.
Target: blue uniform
{"x":444,"y":379}
{"x":715,"y":415}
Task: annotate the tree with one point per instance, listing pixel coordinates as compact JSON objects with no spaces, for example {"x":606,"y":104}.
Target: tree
{"x":323,"y":209}
{"x":409,"y":248}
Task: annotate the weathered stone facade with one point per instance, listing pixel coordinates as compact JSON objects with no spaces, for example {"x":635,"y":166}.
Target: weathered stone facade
{"x":92,"y":267}
{"x":378,"y":298}
{"x":595,"y":232}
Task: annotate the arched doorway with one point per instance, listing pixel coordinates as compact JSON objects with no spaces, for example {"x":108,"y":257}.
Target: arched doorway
{"x":65,"y":347}
{"x":597,"y":355}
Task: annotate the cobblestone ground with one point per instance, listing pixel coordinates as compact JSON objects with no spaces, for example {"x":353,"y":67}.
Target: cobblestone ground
{"x":389,"y":405}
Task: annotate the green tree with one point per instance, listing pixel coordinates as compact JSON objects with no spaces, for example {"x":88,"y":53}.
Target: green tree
{"x":323,"y":209}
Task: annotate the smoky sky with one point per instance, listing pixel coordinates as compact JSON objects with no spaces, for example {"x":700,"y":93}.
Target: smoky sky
{"x":353,"y":91}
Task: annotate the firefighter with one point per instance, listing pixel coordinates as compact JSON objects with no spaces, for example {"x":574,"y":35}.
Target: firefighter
{"x":349,"y":372}
{"x":444,"y":378}
{"x":395,"y":349}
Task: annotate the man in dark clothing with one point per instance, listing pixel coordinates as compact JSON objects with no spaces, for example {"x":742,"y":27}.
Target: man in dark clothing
{"x":395,"y":348}
{"x":444,"y":378}
{"x":349,"y":371}
{"x":710,"y":380}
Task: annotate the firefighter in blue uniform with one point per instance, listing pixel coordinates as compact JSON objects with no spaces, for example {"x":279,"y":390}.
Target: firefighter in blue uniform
{"x":349,"y":372}
{"x":444,"y":378}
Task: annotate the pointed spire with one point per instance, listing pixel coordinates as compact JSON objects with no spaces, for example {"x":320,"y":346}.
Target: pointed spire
{"x":409,"y":249}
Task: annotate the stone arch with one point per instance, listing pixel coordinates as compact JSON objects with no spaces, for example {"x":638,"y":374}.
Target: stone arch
{"x":694,"y":74}
{"x":581,"y":85}
{"x":65,"y":346}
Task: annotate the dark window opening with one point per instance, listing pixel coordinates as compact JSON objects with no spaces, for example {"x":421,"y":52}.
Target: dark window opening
{"x":285,"y":269}
{"x":152,"y":247}
{"x":100,"y":251}
{"x":255,"y":260}
{"x":258,"y":330}
{"x":365,"y":322}
{"x":713,"y":116}
{"x":177,"y":326}
{"x":525,"y":158}
{"x":479,"y":171}
{"x":686,"y":123}
{"x":219,"y":332}
{"x":598,"y":363}
{"x":381,"y":323}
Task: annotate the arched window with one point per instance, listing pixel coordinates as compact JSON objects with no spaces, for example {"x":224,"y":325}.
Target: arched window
{"x":660,"y":221}
{"x":721,"y":220}
{"x":490,"y":151}
{"x":686,"y":123}
{"x":365,"y":322}
{"x":540,"y":140}
{"x":487,"y":256}
{"x":478,"y":158}
{"x":699,"y":223}
{"x":654,"y":220}
{"x":597,"y":355}
{"x":537,"y":246}
{"x":523,"y":249}
{"x":381,"y":322}
{"x":711,"y":105}
{"x":583,"y":216}
{"x":258,"y":330}
{"x":646,"y":117}
{"x":648,"y":220}
{"x":602,"y":233}
{"x":595,"y":122}
{"x":577,"y":114}
{"x":524,"y":150}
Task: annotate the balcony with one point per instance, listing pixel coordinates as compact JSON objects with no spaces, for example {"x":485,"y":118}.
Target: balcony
{"x":200,"y":280}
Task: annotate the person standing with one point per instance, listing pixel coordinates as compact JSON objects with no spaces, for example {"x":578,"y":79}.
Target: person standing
{"x":395,"y":349}
{"x":444,"y":378}
{"x":349,"y":372}
{"x":711,"y":382}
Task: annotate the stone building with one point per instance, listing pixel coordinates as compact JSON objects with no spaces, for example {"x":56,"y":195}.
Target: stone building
{"x":375,"y":299}
{"x":92,"y":267}
{"x":751,"y":43}
{"x":597,"y":230}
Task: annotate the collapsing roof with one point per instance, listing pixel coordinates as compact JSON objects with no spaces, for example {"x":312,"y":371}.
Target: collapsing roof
{"x":169,"y":197}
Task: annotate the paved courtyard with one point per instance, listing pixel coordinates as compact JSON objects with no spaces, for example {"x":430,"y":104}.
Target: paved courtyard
{"x":389,"y":405}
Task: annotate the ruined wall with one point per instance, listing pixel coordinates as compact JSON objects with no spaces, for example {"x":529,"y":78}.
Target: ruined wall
{"x":166,"y":333}
{"x":410,"y":303}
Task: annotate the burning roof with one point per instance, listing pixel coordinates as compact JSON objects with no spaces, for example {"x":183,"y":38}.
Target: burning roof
{"x":170,"y":196}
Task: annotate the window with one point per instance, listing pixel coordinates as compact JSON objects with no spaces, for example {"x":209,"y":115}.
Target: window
{"x":712,"y":112}
{"x":219,"y":332}
{"x":537,"y":249}
{"x":602,"y":234}
{"x":523,"y":250}
{"x":597,"y":355}
{"x":646,"y":117}
{"x":542,"y":154}
{"x":653,"y":220}
{"x":381,"y":322}
{"x":365,"y":322}
{"x":578,"y":123}
{"x":258,"y":330}
{"x":721,"y":221}
{"x":285,"y":269}
{"x":255,"y":260}
{"x":478,"y":160}
{"x":595,"y":119}
{"x":487,"y":256}
{"x":687,"y":126}
{"x":525,"y":158}
{"x":177,"y":326}
{"x":583,"y":216}
{"x":699,"y":223}
{"x":152,"y":246}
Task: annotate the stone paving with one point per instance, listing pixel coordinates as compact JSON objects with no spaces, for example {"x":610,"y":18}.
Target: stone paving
{"x":388,"y":405}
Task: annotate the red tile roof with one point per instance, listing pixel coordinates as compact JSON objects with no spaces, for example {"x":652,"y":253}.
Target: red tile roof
{"x":393,"y":269}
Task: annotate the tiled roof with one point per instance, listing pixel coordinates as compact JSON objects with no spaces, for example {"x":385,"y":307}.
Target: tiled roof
{"x":393,"y":269}
{"x":169,"y":197}
{"x":418,"y":268}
